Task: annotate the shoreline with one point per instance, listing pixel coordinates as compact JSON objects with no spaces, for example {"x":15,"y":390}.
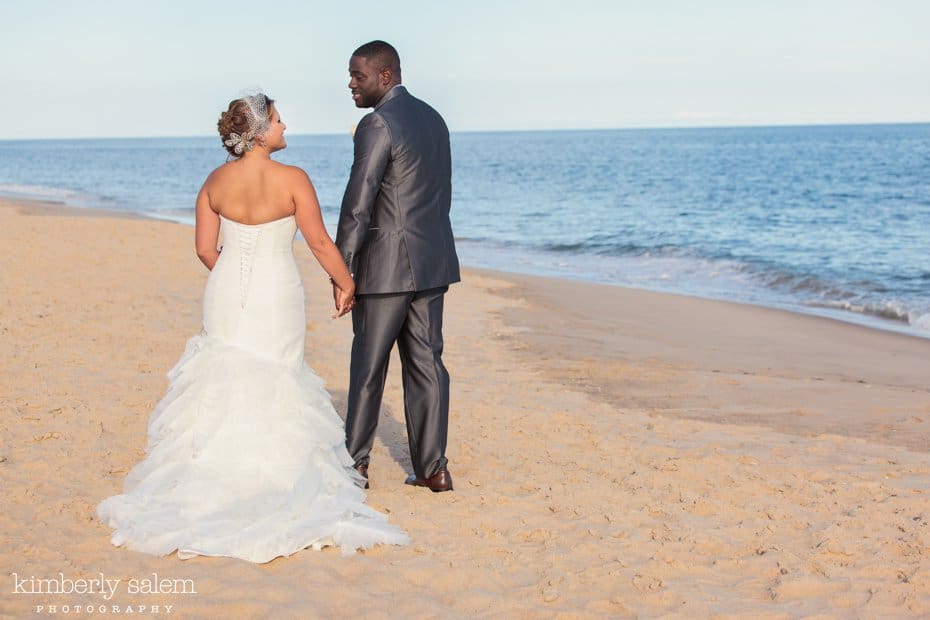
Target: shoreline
{"x":35,"y":206}
{"x":865,"y":321}
{"x":701,"y":351}
{"x":728,"y":366}
{"x":656,"y":499}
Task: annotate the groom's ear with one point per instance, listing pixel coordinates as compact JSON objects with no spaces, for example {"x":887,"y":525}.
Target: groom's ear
{"x":386,"y":75}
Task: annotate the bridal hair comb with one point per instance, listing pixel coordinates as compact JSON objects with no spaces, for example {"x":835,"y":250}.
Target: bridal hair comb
{"x":239,"y":143}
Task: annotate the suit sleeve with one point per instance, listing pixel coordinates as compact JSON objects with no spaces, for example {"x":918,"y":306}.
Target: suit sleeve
{"x":372,"y":153}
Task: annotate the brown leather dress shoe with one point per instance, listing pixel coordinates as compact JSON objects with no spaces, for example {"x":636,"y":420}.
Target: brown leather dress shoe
{"x":362,"y":469}
{"x":437,"y":483}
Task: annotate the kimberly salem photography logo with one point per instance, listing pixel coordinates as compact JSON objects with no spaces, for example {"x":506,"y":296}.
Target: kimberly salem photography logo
{"x":103,"y":588}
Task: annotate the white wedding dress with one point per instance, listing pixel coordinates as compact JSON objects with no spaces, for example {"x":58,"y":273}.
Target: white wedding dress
{"x":246,"y":455}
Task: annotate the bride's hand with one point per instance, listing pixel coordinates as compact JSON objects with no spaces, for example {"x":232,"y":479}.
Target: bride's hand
{"x":345,"y":301}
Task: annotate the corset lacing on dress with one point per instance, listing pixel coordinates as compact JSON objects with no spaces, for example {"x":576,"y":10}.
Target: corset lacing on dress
{"x":248,"y":239}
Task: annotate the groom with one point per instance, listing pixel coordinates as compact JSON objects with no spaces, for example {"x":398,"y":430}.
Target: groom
{"x":395,"y":235}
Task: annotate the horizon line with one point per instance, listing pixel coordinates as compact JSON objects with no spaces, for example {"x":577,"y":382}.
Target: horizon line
{"x":531,"y":130}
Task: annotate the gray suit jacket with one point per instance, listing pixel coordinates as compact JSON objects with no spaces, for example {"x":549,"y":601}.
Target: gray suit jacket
{"x":394,"y":229}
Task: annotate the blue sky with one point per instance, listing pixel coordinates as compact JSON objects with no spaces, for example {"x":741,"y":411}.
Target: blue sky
{"x":94,"y":68}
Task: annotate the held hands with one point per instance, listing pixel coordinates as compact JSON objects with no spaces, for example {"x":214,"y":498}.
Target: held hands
{"x":344,"y":299}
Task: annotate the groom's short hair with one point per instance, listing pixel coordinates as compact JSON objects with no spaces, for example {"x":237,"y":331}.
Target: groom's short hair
{"x":383,"y":53}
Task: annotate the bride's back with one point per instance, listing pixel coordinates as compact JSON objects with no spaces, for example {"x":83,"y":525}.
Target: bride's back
{"x":251,"y":192}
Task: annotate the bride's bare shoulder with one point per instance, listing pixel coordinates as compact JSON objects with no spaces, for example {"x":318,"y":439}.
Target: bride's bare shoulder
{"x":218,"y":174}
{"x":294,"y":175}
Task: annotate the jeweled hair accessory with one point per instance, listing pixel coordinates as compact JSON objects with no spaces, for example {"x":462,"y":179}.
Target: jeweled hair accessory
{"x":239,"y":143}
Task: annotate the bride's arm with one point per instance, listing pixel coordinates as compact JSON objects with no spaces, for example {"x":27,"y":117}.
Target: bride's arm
{"x":310,"y":222}
{"x":207,"y":230}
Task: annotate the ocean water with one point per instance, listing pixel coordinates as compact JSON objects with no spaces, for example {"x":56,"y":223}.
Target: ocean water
{"x":828,"y":220}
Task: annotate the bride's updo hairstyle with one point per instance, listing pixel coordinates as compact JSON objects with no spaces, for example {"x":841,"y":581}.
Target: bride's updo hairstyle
{"x":244,"y":120}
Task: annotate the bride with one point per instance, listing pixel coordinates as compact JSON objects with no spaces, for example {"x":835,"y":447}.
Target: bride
{"x":246,"y":455}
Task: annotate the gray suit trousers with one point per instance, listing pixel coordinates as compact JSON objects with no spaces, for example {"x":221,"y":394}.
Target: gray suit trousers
{"x":414,"y":321}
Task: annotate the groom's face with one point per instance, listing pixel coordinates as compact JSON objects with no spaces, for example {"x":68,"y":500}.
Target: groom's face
{"x":367,"y":83}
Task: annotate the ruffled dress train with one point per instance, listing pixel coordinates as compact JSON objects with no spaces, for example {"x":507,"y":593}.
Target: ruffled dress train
{"x":246,"y":455}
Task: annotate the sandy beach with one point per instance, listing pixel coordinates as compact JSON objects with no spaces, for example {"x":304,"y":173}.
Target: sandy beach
{"x":616,"y":453}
